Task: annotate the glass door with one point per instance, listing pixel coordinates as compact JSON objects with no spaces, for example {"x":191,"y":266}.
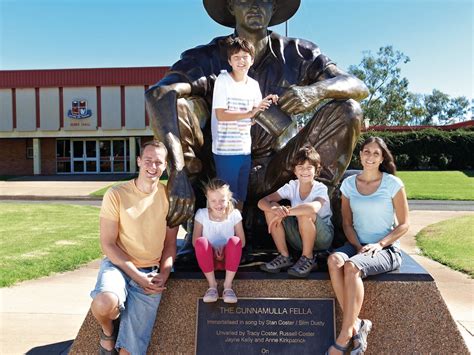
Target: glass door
{"x":105,"y":156}
{"x":77,"y":156}
{"x":113,"y":155}
{"x":63,"y":156}
{"x":90,"y":156}
{"x":84,"y":156}
{"x":119,"y":151}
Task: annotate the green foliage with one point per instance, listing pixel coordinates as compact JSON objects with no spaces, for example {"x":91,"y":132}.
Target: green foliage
{"x":426,"y":149}
{"x":388,"y":91}
{"x":450,"y":243}
{"x":389,"y":101}
{"x":39,"y":239}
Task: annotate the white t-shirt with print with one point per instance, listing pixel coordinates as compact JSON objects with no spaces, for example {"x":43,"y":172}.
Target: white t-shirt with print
{"x":218,"y":233}
{"x":233,"y":137}
{"x":291,"y":191}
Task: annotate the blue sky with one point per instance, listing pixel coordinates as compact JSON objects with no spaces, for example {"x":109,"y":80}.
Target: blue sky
{"x":437,"y":35}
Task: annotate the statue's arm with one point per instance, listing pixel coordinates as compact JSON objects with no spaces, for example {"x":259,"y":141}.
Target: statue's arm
{"x":332,"y":83}
{"x":161,"y":104}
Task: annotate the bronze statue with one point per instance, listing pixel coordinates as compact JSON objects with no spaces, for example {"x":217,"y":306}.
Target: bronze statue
{"x":295,"y":69}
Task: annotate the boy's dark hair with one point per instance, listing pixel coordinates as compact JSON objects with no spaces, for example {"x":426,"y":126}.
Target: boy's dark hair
{"x":154,"y":143}
{"x":309,"y":154}
{"x":237,"y":44}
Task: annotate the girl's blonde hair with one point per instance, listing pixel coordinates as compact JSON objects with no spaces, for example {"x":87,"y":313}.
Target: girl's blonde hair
{"x":217,"y":184}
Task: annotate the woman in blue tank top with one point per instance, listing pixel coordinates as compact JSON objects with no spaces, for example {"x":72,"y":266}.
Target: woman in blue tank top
{"x":375,"y":215}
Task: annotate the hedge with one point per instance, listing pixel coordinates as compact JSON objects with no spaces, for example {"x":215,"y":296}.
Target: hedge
{"x":428,"y":149}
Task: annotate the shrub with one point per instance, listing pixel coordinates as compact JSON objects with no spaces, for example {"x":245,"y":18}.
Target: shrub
{"x":426,"y":149}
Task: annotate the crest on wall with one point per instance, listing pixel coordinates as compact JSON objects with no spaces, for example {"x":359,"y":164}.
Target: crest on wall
{"x":79,"y":110}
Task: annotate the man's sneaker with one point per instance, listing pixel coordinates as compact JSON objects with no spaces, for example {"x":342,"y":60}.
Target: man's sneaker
{"x":303,"y":267}
{"x":280,"y":262}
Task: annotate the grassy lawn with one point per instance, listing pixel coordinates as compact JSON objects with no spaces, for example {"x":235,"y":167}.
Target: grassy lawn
{"x":39,"y":239}
{"x":451,"y":243}
{"x":438,"y":185}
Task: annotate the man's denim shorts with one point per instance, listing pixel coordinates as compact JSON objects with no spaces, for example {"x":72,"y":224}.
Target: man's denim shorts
{"x":324,"y":233}
{"x":388,"y":259}
{"x":137,"y":310}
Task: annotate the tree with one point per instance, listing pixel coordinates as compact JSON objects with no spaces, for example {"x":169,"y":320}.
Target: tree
{"x":458,"y":108}
{"x":388,"y":91}
{"x":436,"y":105}
{"x":416,"y":110}
{"x":439,"y":105}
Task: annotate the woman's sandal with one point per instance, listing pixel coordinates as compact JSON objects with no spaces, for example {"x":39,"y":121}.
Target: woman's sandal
{"x":361,"y":337}
{"x":341,"y":348}
{"x":104,"y":351}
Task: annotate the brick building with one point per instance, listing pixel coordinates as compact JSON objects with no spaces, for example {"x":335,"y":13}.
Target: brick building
{"x":73,"y":121}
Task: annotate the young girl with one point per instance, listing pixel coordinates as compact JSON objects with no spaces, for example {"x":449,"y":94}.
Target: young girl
{"x":218,"y":239}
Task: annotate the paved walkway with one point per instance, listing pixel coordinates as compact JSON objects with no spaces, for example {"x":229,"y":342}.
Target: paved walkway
{"x":42,"y":316}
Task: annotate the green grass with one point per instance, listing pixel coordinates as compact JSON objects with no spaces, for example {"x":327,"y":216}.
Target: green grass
{"x":438,"y":185}
{"x":39,"y":239}
{"x":451,"y":243}
{"x":102,"y":191}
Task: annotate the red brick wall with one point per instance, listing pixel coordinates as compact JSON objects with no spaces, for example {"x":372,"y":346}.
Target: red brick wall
{"x":13,"y":159}
{"x":48,"y":156}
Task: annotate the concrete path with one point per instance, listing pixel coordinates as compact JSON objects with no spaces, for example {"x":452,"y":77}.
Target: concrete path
{"x":50,"y":189}
{"x":457,"y":289}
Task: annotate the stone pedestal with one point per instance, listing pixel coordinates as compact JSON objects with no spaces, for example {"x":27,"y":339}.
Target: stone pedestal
{"x":408,"y":314}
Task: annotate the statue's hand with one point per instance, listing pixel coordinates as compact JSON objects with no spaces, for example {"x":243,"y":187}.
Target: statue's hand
{"x":299,"y":99}
{"x":181,"y":198}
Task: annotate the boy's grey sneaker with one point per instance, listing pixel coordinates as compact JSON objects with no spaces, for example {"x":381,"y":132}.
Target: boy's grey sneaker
{"x":303,"y":267}
{"x":280,"y":262}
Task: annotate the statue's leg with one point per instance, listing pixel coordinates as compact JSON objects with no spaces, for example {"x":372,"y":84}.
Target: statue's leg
{"x":333,"y":131}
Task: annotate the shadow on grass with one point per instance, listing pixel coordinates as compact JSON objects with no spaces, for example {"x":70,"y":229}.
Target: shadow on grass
{"x":468,"y":173}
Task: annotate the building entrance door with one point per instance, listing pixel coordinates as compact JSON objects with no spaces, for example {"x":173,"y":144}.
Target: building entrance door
{"x":113,"y":155}
{"x":80,"y":156}
{"x":84,"y":156}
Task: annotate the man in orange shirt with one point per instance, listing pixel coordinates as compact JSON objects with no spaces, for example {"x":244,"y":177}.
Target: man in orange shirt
{"x":140,"y":250}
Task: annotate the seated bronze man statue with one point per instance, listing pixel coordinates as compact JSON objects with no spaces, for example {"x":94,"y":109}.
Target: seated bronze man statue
{"x":295,"y":69}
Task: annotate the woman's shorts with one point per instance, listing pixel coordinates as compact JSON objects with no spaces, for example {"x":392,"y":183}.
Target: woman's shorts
{"x":388,"y":259}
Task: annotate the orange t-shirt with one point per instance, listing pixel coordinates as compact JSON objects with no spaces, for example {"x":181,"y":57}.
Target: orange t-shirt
{"x":142,"y":221}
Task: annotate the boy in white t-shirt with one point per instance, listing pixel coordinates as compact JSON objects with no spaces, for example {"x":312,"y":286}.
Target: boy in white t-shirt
{"x":236,"y":100}
{"x":306,"y":224}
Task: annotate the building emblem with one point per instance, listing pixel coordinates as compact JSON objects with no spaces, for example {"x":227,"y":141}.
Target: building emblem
{"x":79,"y":110}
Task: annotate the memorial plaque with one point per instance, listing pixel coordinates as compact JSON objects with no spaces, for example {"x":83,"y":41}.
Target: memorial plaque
{"x":265,"y":326}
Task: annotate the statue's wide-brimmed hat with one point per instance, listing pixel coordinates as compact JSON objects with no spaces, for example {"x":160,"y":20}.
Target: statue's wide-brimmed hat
{"x":219,"y":11}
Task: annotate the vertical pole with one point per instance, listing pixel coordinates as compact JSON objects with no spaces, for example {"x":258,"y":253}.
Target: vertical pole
{"x":36,"y":156}
{"x":133,"y":154}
